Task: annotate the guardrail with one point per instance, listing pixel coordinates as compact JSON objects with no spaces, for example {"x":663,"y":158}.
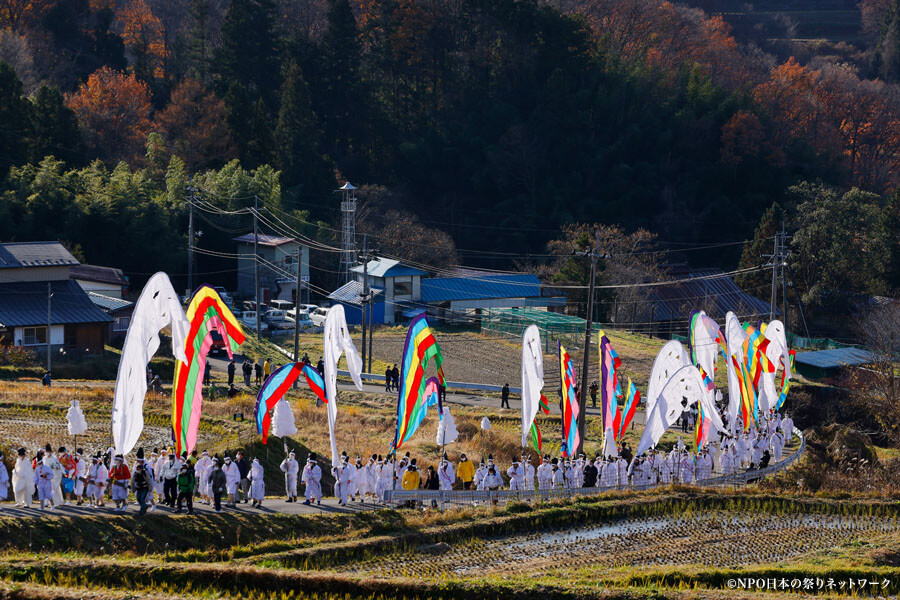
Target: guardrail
{"x":456,"y":498}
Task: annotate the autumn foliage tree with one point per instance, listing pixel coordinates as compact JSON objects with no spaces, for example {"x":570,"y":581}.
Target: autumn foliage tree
{"x":113,"y":111}
{"x":194,"y":126}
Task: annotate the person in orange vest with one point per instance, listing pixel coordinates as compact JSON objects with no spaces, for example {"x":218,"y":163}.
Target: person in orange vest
{"x":120,"y":477}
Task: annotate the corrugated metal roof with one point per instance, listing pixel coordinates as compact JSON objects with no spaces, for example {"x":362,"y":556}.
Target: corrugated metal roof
{"x":98,"y":274}
{"x":25,"y":303}
{"x":386,"y":267}
{"x":444,"y":289}
{"x":265,"y":240}
{"x":351,"y":293}
{"x":837,"y":357}
{"x":716,"y":296}
{"x":108,"y":303}
{"x":35,"y":254}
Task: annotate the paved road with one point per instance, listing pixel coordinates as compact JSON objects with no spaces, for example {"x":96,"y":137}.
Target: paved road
{"x":270,"y":506}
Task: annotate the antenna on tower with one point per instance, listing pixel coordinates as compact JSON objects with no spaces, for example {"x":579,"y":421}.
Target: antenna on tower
{"x":348,"y":230}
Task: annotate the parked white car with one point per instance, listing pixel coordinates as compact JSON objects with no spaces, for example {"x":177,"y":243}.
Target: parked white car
{"x":277,"y":319}
{"x":248,"y":319}
{"x":303,"y":323}
{"x":318,"y":316}
{"x":281,"y":304}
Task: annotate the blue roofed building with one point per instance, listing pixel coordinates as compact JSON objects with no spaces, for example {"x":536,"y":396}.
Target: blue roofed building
{"x":40,"y":300}
{"x":404,"y":291}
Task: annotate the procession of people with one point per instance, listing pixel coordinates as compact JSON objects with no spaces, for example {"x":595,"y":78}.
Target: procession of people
{"x":51,"y":479}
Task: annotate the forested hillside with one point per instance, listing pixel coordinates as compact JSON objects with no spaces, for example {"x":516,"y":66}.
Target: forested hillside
{"x":482,"y":125}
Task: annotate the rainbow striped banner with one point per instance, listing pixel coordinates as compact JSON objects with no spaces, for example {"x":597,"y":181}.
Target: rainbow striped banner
{"x":536,"y":439}
{"x":570,"y":437}
{"x":315,"y":382}
{"x":610,"y":389}
{"x":273,"y":390}
{"x":631,"y":403}
{"x":412,"y":404}
{"x":206,"y":313}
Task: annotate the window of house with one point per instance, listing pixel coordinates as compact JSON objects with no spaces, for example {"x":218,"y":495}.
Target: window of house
{"x":121,"y":323}
{"x":70,"y":333}
{"x":403,"y":286}
{"x":288,"y":259}
{"x":33,"y":336}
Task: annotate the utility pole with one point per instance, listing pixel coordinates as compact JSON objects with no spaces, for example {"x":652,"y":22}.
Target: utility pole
{"x":297,"y":309}
{"x":256,"y":263}
{"x":49,"y":295}
{"x":190,"y":240}
{"x":775,"y":262}
{"x":783,"y":268}
{"x":367,"y":296}
{"x":582,"y":404}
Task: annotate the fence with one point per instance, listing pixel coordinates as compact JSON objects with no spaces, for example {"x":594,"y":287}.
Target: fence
{"x":458,"y":498}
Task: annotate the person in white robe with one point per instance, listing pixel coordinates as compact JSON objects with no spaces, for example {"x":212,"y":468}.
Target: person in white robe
{"x":664,"y":466}
{"x":343,"y":479}
{"x":622,"y":465}
{"x":291,"y":468}
{"x":529,"y":474}
{"x":232,"y":480}
{"x":257,"y":483}
{"x":578,"y":471}
{"x":687,"y":468}
{"x":544,"y":474}
{"x":609,"y":474}
{"x":312,"y":480}
{"x":787,"y":428}
{"x":52,"y":462}
{"x":202,"y":469}
{"x":372,"y":472}
{"x":569,"y":473}
{"x":492,"y":481}
{"x":516,"y":476}
{"x":43,"y":479}
{"x":98,"y":476}
{"x":23,"y":480}
{"x":446,"y":475}
{"x":385,"y":478}
{"x":777,"y":444}
{"x":558,"y":477}
{"x":360,"y":485}
{"x":159,"y":461}
{"x":480,"y":474}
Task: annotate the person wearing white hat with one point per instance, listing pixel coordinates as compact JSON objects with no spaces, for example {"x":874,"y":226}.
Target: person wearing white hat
{"x":43,"y":479}
{"x":96,"y":481}
{"x":529,"y":474}
{"x":120,"y":476}
{"x":446,"y":476}
{"x":516,"y":476}
{"x":23,"y":479}
{"x":312,"y":479}
{"x":232,"y":480}
{"x":202,"y":469}
{"x":81,"y":468}
{"x":257,"y":483}
{"x":290,"y":468}
{"x":343,"y":480}
{"x":385,"y":477}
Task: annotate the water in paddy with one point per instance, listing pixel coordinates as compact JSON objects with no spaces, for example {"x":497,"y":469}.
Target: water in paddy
{"x":714,"y":539}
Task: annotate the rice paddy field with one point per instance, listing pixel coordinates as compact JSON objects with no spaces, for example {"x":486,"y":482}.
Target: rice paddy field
{"x":675,"y":543}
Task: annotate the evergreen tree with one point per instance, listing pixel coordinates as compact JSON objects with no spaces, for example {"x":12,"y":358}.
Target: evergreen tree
{"x":249,"y":51}
{"x":15,"y":115}
{"x":886,"y":55}
{"x":248,"y":121}
{"x":304,"y":173}
{"x":754,"y":250}
{"x":199,"y":46}
{"x":55,"y":128}
{"x":342,"y":101}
